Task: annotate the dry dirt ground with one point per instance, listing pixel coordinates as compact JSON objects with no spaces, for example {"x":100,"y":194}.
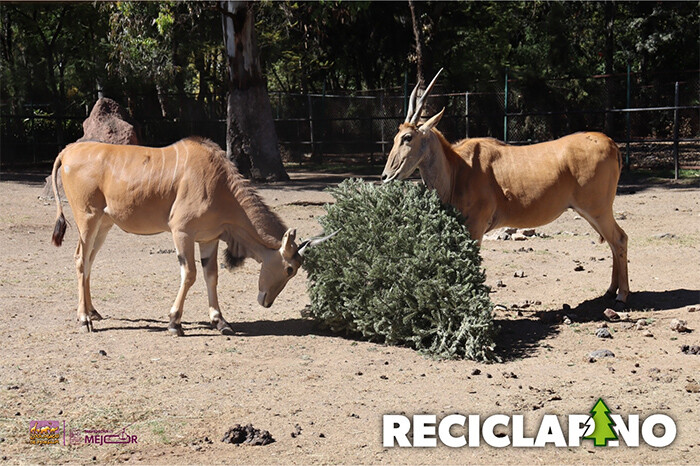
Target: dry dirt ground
{"x":279,"y":372}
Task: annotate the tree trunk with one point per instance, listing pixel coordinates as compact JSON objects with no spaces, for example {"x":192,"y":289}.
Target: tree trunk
{"x":251,"y":138}
{"x":418,"y":36}
{"x":424,"y":62}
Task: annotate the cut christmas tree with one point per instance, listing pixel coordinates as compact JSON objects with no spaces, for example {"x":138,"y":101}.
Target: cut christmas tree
{"x":403,"y":271}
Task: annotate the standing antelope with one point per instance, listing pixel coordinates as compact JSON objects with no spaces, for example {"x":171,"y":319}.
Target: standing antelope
{"x":189,"y":189}
{"x":494,"y":184}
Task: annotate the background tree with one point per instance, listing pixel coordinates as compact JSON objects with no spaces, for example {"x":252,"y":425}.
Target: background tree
{"x":166,"y":61}
{"x":251,"y":138}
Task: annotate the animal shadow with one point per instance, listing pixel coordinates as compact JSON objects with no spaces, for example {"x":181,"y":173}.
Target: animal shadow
{"x":519,"y":338}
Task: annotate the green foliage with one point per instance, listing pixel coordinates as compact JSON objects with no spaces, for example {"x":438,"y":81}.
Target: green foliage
{"x":403,"y":270}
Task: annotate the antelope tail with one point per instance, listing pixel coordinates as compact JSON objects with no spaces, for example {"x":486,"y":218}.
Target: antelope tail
{"x":59,"y":229}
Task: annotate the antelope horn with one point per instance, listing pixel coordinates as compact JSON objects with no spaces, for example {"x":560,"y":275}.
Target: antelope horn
{"x":309,"y":243}
{"x":411,"y":103}
{"x":421,"y":101}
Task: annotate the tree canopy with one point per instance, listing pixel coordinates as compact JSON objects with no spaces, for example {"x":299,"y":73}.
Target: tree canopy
{"x":63,"y":54}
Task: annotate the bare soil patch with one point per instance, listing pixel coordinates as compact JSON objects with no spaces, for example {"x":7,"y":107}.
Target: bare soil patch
{"x":322,"y":396}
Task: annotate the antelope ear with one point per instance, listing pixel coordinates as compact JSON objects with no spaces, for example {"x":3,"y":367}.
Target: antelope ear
{"x":288,"y":247}
{"x":432,"y":123}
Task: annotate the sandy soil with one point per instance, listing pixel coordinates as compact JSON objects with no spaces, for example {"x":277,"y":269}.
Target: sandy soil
{"x":280,"y":373}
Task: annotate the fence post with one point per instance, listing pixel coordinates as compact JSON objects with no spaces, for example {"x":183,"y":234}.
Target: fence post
{"x":31,"y":126}
{"x":311,"y":126}
{"x":466,"y":113}
{"x":675,"y":134}
{"x":324,"y":122}
{"x":627,"y":116}
{"x":505,"y":110}
{"x":405,"y":93}
{"x":381,"y":125}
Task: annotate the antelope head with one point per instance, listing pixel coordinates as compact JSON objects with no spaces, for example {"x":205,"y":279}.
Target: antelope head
{"x":411,"y":141}
{"x":281,"y":265}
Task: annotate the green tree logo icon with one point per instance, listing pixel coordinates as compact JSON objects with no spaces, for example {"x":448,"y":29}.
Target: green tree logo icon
{"x":603,"y":430}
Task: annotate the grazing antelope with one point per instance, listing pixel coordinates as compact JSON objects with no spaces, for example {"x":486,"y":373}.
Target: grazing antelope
{"x":494,"y":184}
{"x":189,"y":189}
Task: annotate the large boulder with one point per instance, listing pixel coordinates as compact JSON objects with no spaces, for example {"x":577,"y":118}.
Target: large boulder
{"x":108,"y":122}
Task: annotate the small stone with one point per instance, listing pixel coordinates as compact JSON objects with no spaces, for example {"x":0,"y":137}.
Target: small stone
{"x":528,"y":232}
{"x":692,"y":387}
{"x":519,"y":237}
{"x":510,"y":231}
{"x":567,"y":321}
{"x":500,"y":284}
{"x":322,"y":435}
{"x":519,"y":274}
{"x":687,"y":349}
{"x":664,"y":236}
{"x":602,"y":353}
{"x":61,"y":379}
{"x":102,"y":352}
{"x":579,"y":268}
{"x":488,"y":376}
{"x":566,"y":307}
{"x":692,"y":309}
{"x":611,"y":315}
{"x":647,"y":333}
{"x":182,"y":375}
{"x":476,"y":371}
{"x":678,"y":325}
{"x":603,"y":333}
{"x":603,"y":325}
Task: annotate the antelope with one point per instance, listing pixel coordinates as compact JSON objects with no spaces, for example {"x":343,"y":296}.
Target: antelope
{"x":494,"y":184}
{"x":189,"y":189}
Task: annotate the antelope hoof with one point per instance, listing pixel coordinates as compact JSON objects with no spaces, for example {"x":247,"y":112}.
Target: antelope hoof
{"x":86,"y":326}
{"x":224,"y":327}
{"x":176,"y":330}
{"x":620,"y":305}
{"x":610,"y":294}
{"x":94,"y":315}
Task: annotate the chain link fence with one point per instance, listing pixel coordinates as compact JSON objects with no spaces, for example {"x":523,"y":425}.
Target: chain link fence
{"x":647,"y":115}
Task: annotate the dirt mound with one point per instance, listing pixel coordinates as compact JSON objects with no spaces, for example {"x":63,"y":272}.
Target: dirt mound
{"x":248,"y":435}
{"x":108,"y":122}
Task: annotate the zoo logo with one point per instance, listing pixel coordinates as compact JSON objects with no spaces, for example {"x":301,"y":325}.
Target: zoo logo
{"x":603,"y":428}
{"x":101,"y":437}
{"x":45,"y":432}
{"x":49,"y":433}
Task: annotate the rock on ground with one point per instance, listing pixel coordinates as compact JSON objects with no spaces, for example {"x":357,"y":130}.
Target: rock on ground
{"x":108,"y":122}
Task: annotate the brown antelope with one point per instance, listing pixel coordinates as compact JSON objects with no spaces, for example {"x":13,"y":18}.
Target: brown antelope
{"x":494,"y":184}
{"x":189,"y":189}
